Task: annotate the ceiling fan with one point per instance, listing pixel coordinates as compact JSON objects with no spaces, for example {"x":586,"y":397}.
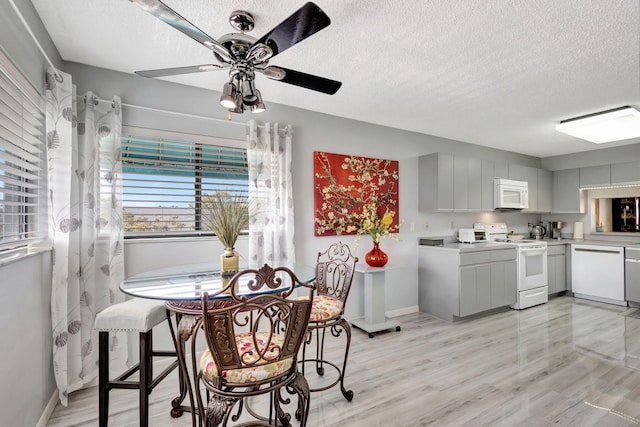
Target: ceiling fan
{"x":244,"y":55}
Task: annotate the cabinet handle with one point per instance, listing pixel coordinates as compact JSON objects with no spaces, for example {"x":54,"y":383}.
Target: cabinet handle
{"x":536,"y":294}
{"x":632,"y":260}
{"x":602,"y":251}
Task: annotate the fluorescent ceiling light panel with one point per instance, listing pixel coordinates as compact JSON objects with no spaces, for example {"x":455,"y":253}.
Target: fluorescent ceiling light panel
{"x":607,"y":126}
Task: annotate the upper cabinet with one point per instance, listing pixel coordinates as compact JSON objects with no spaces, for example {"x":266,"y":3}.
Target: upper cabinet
{"x":452,"y":183}
{"x":435,"y":186}
{"x":545,"y":190}
{"x":625,"y":173}
{"x":529,"y":175}
{"x":566,"y":191}
{"x":595,"y":176}
{"x":467,"y":185}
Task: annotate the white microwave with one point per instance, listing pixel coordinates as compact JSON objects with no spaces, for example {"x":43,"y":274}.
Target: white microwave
{"x":510,"y":194}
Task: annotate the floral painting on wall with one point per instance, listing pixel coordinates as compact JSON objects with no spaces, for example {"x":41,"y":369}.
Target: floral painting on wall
{"x":355,"y":195}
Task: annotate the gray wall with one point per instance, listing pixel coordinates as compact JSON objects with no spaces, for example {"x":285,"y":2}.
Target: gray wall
{"x":312,"y":132}
{"x":25,"y":307}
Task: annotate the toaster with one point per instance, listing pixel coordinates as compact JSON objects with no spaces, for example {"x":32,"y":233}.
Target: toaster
{"x":471,"y":235}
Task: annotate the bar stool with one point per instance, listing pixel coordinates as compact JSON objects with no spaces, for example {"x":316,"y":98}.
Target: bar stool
{"x":135,"y":315}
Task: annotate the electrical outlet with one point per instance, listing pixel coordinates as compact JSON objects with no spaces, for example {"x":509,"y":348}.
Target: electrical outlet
{"x":453,"y":225}
{"x":426,"y":225}
{"x":412,"y":226}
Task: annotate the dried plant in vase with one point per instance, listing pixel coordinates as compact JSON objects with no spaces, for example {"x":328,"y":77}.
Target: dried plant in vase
{"x":227,"y":215}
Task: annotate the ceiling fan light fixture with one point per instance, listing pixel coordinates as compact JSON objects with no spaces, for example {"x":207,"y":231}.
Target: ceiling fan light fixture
{"x":239,"y":107}
{"x":259,"y":106}
{"x":229,"y":96}
{"x":606,"y":126}
{"x":248,"y":89}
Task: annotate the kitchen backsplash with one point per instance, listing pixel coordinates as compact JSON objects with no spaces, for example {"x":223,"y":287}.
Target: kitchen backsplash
{"x":446,"y":224}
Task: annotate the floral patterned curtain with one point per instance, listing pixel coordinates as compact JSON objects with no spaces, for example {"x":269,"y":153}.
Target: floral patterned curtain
{"x":85,"y":208}
{"x":271,"y":227}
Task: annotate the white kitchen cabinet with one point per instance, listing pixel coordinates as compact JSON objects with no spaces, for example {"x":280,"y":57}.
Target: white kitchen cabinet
{"x":625,"y":173}
{"x":566,"y":191}
{"x":598,"y":272}
{"x":454,"y":285}
{"x":595,"y":176}
{"x":557,"y":268}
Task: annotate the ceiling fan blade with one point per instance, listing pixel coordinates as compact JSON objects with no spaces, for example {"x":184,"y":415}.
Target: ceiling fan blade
{"x":171,"y":17}
{"x":180,"y":70}
{"x":304,"y":80}
{"x":304,"y":22}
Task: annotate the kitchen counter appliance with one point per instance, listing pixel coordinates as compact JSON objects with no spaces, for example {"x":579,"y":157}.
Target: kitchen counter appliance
{"x":554,"y":229}
{"x":597,"y":273}
{"x":471,"y":235}
{"x":510,"y":195}
{"x":537,"y":231}
{"x":532,"y":265}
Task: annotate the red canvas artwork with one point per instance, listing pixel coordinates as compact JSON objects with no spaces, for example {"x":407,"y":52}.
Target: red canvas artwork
{"x":350,"y":191}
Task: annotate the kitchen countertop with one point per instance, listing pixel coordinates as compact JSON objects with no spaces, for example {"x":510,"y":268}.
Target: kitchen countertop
{"x":489,"y":246}
{"x":551,"y":242}
{"x":473,"y":247}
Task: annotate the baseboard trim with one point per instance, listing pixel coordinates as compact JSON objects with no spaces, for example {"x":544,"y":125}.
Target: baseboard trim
{"x":48,"y":410}
{"x":403,"y":311}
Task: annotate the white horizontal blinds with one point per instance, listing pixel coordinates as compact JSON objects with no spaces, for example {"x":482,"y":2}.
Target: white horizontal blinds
{"x":22,"y":150}
{"x":164,"y":180}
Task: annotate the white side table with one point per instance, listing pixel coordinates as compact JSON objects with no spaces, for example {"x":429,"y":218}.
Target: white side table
{"x":374,"y":319}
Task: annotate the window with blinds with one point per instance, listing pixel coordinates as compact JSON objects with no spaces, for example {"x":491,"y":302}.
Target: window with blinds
{"x":165,"y":180}
{"x":22,"y":159}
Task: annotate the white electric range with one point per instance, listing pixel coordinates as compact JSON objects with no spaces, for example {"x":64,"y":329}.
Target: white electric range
{"x":532,"y":264}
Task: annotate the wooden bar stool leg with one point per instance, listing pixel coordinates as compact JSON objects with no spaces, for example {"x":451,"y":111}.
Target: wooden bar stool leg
{"x":103,"y":378}
{"x":146,"y":375}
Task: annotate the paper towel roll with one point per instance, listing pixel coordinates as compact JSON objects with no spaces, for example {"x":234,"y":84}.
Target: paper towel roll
{"x":577,"y":230}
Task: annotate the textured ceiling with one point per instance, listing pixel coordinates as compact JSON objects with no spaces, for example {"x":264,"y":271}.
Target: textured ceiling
{"x":499,"y":73}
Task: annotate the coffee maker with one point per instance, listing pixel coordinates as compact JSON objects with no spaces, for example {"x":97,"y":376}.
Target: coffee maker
{"x":554,"y":229}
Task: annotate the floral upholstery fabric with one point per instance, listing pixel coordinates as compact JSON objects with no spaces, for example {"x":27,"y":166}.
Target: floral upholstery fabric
{"x":324,"y":307}
{"x":264,"y":370}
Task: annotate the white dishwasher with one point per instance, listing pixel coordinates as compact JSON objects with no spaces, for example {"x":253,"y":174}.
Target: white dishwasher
{"x":597,"y":273}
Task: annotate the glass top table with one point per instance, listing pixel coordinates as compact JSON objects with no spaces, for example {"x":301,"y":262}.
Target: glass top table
{"x":189,"y":282}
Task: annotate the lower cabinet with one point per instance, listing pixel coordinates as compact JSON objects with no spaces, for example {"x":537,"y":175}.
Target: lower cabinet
{"x":455,"y":284}
{"x":557,"y":268}
{"x":487,"y":286}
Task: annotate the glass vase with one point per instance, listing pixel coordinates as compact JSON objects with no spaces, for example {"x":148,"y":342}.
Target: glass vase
{"x":375,"y":257}
{"x":229,"y":262}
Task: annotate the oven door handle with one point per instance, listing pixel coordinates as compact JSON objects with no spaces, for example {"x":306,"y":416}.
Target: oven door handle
{"x":533,"y":252}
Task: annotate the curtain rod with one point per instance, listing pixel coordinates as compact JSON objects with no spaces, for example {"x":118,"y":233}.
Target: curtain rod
{"x":57,"y":74}
{"x":175,"y":113}
{"x":96,"y":100}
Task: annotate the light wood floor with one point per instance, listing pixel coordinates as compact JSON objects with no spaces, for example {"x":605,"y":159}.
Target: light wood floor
{"x":565,"y":363}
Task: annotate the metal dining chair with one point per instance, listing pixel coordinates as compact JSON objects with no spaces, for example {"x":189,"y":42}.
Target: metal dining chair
{"x":335,"y":268}
{"x":252,"y":349}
